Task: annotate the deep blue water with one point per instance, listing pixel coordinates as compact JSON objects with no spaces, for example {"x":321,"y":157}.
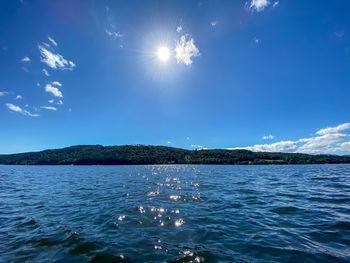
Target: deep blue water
{"x":182,"y":213}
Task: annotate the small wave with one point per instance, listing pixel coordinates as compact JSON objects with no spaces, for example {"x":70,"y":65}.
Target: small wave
{"x":286,"y":210}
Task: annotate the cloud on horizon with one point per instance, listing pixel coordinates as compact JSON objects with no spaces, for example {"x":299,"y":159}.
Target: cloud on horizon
{"x":327,"y":141}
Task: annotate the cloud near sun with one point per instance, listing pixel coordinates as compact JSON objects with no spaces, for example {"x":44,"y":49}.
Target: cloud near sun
{"x":185,"y":50}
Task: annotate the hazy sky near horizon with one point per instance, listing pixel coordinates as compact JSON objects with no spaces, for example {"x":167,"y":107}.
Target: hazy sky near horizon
{"x":261,"y":74}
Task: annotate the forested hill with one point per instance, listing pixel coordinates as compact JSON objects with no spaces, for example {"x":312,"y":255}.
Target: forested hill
{"x":142,"y":154}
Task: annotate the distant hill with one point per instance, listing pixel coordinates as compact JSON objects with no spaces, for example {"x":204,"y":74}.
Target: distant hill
{"x":143,"y":154}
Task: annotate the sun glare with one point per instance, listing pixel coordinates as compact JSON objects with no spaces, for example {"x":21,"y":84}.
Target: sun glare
{"x":163,"y":53}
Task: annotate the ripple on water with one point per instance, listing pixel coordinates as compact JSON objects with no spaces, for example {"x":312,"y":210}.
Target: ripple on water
{"x":175,"y":213}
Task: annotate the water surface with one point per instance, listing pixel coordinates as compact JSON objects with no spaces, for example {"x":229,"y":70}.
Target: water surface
{"x":180,"y":213}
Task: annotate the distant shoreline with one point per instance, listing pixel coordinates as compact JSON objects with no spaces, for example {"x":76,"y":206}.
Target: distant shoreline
{"x":158,"y":155}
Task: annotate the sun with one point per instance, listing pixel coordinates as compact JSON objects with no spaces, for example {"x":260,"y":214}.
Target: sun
{"x":163,"y":54}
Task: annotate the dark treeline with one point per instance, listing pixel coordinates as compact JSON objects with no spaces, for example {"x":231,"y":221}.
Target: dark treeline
{"x":142,"y":154}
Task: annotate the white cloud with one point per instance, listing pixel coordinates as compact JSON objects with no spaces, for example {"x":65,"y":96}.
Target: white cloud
{"x":51,"y":101}
{"x":213,"y":23}
{"x":179,"y":29}
{"x":188,"y":138}
{"x":327,"y":140}
{"x":55,"y":91}
{"x":169,"y":142}
{"x":3,"y":93}
{"x":60,"y":102}
{"x":283,"y":146}
{"x":114,"y":34}
{"x":18,"y":97}
{"x":13,"y":107}
{"x":38,"y":84}
{"x":341,"y":127}
{"x":321,"y":144}
{"x":45,"y":72}
{"x":198,"y":147}
{"x":25,"y":59}
{"x":25,"y":69}
{"x":256,"y":40}
{"x":185,"y":50}
{"x":52,"y":41}
{"x":56,"y":83}
{"x":20,"y":110}
{"x":48,"y":108}
{"x":55,"y":61}
{"x":268,"y":137}
{"x":258,"y":5}
{"x":343,"y":147}
{"x":275,"y":3}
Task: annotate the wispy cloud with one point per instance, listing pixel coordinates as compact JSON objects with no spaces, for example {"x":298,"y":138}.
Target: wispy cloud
{"x":52,"y":41}
{"x":55,"y":61}
{"x":25,"y":59}
{"x":46,"y":73}
{"x":327,"y":140}
{"x":257,"y":5}
{"x":53,"y":90}
{"x":18,"y":97}
{"x":275,"y":3}
{"x":185,"y":50}
{"x":268,"y":137}
{"x":114,"y":34}
{"x":60,"y":102}
{"x":179,"y":29}
{"x":339,"y":34}
{"x":56,"y":83}
{"x":18,"y":109}
{"x":3,"y":93}
{"x":341,"y":127}
{"x":48,"y":108}
{"x":213,"y":23}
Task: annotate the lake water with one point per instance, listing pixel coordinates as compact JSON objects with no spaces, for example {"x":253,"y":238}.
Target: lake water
{"x":175,"y":213}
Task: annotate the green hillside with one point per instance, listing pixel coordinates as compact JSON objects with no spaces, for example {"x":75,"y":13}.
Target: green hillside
{"x":142,"y":154}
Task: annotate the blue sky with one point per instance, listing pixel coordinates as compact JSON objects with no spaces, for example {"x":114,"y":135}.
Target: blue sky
{"x":265,"y":75}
